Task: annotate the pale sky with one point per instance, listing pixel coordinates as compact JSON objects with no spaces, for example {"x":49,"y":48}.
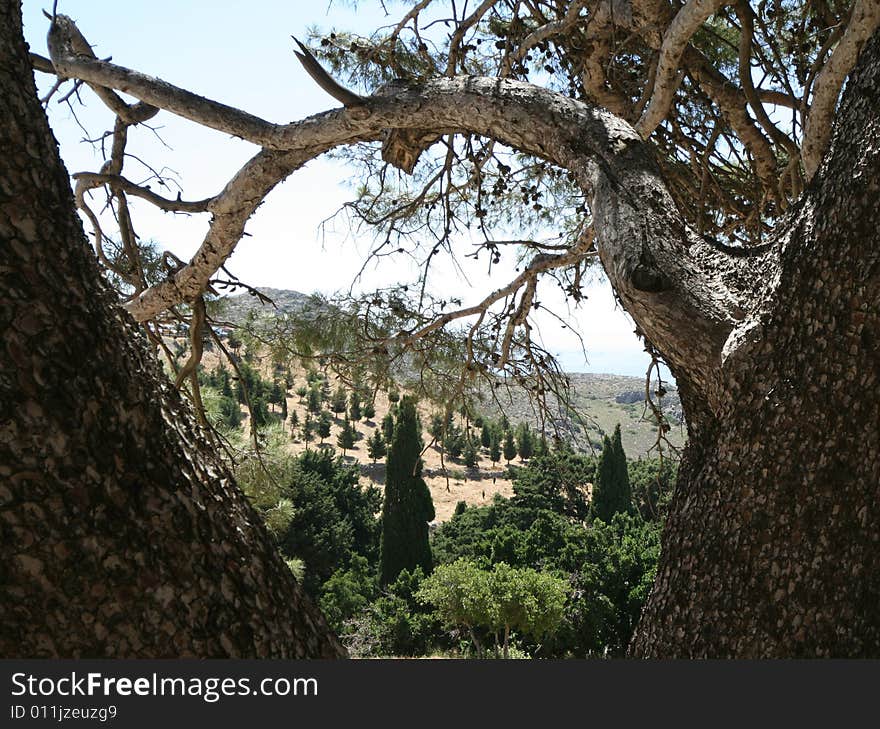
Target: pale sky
{"x":241,"y":54}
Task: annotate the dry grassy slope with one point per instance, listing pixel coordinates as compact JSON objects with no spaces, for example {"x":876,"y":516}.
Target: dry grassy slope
{"x":594,"y":395}
{"x":449,"y":482}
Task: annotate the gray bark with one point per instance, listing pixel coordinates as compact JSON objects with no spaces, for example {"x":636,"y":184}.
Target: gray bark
{"x":122,"y":535}
{"x":773,"y":544}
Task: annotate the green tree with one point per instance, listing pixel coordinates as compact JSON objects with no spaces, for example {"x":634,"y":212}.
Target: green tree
{"x":369,"y":410}
{"x":339,"y":402}
{"x":322,"y":427}
{"x":500,"y":601}
{"x":346,"y":437}
{"x":275,"y":394}
{"x":348,"y":592}
{"x":388,"y":427}
{"x":408,"y":507}
{"x":542,"y":449}
{"x":454,"y":442}
{"x":611,"y":490}
{"x":259,"y":411}
{"x":230,"y":412}
{"x":354,"y":406}
{"x":494,"y":450}
{"x":470,"y":454}
{"x":486,"y":435}
{"x":308,"y":429}
{"x":314,"y":401}
{"x":376,"y":445}
{"x":460,"y":595}
{"x":509,"y":447}
{"x":525,"y":441}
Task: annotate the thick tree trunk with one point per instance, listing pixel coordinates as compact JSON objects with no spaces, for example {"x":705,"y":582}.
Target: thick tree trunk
{"x":773,"y":544}
{"x":121,"y":535}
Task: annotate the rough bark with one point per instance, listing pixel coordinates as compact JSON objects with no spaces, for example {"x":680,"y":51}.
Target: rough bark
{"x":772,"y":548}
{"x":122,"y":536}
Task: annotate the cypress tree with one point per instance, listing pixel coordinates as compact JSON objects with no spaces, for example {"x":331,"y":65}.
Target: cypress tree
{"x":407,"y":507}
{"x":509,"y":447}
{"x":611,"y":491}
{"x":308,"y":429}
{"x":494,"y":450}
{"x":485,"y":435}
{"x":314,"y":403}
{"x":525,"y":442}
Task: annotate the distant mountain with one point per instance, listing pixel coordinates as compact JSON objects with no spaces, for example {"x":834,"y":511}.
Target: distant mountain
{"x":236,"y":308}
{"x":603,"y":400}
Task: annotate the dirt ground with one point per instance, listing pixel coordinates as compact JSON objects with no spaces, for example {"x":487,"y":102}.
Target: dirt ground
{"x":449,"y":481}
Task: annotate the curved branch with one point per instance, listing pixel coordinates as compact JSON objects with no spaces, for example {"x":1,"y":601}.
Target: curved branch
{"x":668,"y":280}
{"x":746,"y":17}
{"x":71,"y":60}
{"x":95,"y":179}
{"x":66,"y":41}
{"x":686,"y":22}
{"x":863,"y":22}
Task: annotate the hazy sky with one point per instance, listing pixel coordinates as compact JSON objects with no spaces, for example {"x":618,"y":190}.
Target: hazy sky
{"x":241,"y":54}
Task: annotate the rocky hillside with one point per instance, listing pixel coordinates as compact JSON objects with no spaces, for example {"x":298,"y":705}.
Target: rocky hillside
{"x":600,"y":401}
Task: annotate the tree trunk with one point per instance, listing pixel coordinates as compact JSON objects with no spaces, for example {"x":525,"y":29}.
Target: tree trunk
{"x":772,"y":548}
{"x":123,"y":536}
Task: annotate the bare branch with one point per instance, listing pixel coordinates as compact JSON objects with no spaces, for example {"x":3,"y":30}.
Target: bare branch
{"x":67,"y":42}
{"x":686,"y":22}
{"x":324,"y":79}
{"x":94,"y":179}
{"x":863,"y":22}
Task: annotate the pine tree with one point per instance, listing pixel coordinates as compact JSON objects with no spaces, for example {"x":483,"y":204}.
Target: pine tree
{"x":470,"y":453}
{"x":407,"y":507}
{"x":494,"y":451}
{"x":376,"y":446}
{"x":346,"y":437}
{"x":611,"y":491}
{"x":354,"y":406}
{"x":542,"y":448}
{"x":308,"y":428}
{"x":338,"y":404}
{"x":525,"y":442}
{"x":486,"y":435}
{"x":283,"y":407}
{"x":509,"y":447}
{"x":314,"y":403}
{"x":388,"y":427}
{"x":323,"y":426}
{"x":369,"y":410}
